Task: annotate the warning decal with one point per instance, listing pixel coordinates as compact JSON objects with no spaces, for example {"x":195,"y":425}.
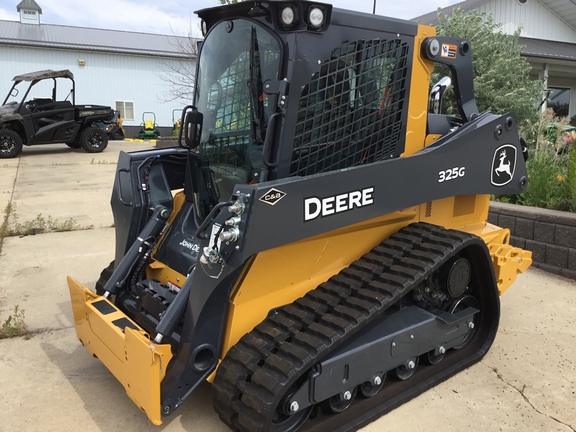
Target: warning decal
{"x":448,"y":51}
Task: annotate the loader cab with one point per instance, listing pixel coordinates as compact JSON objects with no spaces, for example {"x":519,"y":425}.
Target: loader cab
{"x":297,"y":88}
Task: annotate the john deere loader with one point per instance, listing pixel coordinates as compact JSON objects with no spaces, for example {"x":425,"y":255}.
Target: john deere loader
{"x":317,"y":247}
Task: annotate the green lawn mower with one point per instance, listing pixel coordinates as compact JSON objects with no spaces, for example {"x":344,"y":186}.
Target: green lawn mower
{"x":148,"y":128}
{"x":176,"y":122}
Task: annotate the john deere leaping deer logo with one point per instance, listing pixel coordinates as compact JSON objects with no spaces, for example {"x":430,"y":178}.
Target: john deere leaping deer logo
{"x":503,"y":165}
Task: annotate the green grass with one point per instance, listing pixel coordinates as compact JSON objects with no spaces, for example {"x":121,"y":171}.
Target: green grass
{"x":14,"y":325}
{"x":4,"y":226}
{"x":40,"y":224}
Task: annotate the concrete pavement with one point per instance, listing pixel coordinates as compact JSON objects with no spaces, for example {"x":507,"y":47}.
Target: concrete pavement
{"x":48,"y":381}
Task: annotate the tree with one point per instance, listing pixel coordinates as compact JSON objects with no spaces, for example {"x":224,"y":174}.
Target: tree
{"x":501,"y":75}
{"x":178,"y":75}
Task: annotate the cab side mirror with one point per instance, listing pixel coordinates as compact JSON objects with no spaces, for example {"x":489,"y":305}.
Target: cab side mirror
{"x":191,"y":127}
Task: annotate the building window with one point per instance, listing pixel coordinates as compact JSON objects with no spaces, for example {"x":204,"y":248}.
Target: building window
{"x":559,"y":101}
{"x":126,"y":109}
{"x":30,"y":12}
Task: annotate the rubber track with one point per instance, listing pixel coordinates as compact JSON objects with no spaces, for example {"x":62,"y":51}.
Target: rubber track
{"x":267,"y":362}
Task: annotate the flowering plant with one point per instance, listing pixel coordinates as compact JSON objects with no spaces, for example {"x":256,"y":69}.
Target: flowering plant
{"x":570,"y":137}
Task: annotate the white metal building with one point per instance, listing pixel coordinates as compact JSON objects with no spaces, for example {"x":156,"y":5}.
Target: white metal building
{"x":549,"y":34}
{"x":124,"y":69}
{"x":115,"y":68}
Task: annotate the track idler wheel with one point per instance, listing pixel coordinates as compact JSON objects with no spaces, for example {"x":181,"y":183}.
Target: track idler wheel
{"x":406,"y":370}
{"x":288,"y":416}
{"x":461,"y":304}
{"x":291,"y":418}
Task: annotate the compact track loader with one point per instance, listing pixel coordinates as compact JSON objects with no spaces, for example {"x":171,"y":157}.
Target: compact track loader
{"x":319,"y":234}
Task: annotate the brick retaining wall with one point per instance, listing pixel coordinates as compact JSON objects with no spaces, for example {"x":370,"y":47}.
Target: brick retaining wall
{"x":549,"y":234}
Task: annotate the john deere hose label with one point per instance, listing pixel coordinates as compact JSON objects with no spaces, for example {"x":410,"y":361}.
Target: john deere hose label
{"x":503,"y":165}
{"x":315,"y":207}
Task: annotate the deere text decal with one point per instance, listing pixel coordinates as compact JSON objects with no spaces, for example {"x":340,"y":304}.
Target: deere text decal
{"x":320,"y":207}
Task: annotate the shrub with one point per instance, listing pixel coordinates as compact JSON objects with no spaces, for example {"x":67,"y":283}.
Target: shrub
{"x":547,"y":182}
{"x":551,"y":165}
{"x":501,"y":75}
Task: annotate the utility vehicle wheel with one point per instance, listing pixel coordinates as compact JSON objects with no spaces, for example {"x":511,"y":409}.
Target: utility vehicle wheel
{"x":93,"y":139}
{"x":10,"y":144}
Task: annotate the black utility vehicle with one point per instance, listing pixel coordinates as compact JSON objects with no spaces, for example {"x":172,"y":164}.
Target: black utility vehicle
{"x":47,"y":114}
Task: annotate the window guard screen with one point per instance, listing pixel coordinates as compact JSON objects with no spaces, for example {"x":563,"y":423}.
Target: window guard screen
{"x":351,"y":113}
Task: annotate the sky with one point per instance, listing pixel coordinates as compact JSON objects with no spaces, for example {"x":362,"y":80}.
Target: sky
{"x":176,"y":17}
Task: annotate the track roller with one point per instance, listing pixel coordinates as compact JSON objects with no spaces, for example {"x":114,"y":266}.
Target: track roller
{"x":340,"y":402}
{"x":407,"y":369}
{"x":369,"y":389}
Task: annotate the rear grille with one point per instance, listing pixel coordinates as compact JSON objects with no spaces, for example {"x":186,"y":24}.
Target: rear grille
{"x":352,"y":111}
